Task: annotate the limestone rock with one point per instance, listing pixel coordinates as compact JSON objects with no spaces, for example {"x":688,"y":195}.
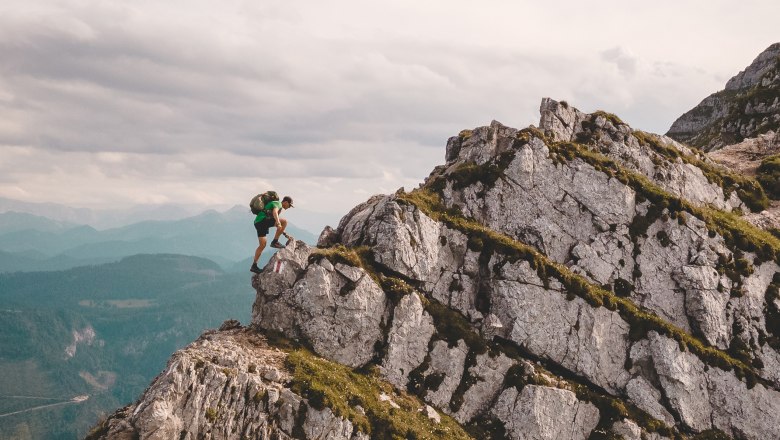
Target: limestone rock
{"x":339,"y":315}
{"x":490,"y":373}
{"x":635,"y":151}
{"x":407,"y":342}
{"x":708,"y":398}
{"x":447,"y":363}
{"x":539,"y":412}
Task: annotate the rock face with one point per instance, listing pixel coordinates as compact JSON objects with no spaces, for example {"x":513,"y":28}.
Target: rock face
{"x":749,"y":106}
{"x":485,"y":297}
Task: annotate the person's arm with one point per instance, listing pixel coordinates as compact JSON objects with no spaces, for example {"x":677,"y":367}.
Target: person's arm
{"x":275,"y":213}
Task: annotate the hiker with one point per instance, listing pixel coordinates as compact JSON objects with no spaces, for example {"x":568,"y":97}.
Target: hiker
{"x":264,"y":222}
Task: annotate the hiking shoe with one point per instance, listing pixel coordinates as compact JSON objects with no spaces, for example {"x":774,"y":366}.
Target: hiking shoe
{"x":277,"y":245}
{"x":254,"y":268}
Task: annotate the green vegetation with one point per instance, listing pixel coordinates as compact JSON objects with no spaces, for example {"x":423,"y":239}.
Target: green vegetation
{"x":211,"y":415}
{"x":608,"y":116}
{"x":332,"y":385}
{"x":640,"y":321}
{"x":769,"y":176}
{"x":341,"y":254}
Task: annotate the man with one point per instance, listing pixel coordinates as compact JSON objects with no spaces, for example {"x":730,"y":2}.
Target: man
{"x":263,"y":223}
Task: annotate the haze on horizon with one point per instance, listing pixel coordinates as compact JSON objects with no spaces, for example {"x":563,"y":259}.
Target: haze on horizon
{"x":108,"y":104}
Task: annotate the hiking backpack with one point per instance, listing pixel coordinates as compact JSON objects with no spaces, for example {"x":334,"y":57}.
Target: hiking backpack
{"x":258,"y":202}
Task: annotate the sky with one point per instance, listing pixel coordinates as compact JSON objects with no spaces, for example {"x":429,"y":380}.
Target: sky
{"x":109,"y":103}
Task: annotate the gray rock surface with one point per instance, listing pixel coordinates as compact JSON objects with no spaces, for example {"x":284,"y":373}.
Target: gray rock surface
{"x":707,"y":398}
{"x":544,"y":413}
{"x":407,"y":342}
{"x":338,"y":309}
{"x":447,"y":362}
{"x":753,"y":74}
{"x":490,"y":372}
{"x":620,"y":143}
{"x":579,"y":217}
{"x":591,"y":342}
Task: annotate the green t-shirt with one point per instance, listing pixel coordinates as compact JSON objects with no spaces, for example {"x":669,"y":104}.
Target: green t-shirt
{"x":268,"y":207}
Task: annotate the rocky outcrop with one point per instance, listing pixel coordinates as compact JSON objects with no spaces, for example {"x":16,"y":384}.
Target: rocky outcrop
{"x":745,"y":157}
{"x":655,"y":254}
{"x":228,"y":384}
{"x":235,"y":384}
{"x":594,"y":343}
{"x":673,"y":166}
{"x":749,"y":106}
{"x":435,"y":352}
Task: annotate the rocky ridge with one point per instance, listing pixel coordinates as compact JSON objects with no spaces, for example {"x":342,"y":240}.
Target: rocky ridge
{"x":747,"y":107}
{"x":558,"y":256}
{"x":573,"y":281}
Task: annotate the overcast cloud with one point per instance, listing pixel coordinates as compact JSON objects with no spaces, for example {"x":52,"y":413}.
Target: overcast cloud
{"x":114,"y":103}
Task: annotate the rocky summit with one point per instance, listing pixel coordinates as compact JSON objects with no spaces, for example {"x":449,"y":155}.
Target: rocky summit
{"x":576,"y":280}
{"x":747,"y":107}
{"x":579,"y":280}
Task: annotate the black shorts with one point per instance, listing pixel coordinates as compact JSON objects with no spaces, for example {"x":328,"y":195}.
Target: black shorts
{"x":264,"y":225}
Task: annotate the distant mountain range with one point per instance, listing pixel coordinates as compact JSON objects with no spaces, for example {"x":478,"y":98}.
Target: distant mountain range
{"x":115,"y":218}
{"x":36,"y":243}
{"x":99,"y":218}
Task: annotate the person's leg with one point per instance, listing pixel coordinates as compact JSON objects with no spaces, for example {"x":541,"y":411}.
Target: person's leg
{"x":262,"y":231}
{"x":259,"y":250}
{"x":275,"y":242}
{"x":280,"y":231}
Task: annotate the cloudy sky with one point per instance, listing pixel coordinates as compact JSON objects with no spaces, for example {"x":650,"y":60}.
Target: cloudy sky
{"x":111,"y":103}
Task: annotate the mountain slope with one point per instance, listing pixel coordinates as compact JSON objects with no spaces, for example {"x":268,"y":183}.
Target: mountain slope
{"x":747,"y":107}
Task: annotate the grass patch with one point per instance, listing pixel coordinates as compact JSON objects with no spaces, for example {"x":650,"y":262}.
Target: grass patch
{"x":341,"y":254}
{"x":332,"y":385}
{"x":608,"y":116}
{"x":211,"y":415}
